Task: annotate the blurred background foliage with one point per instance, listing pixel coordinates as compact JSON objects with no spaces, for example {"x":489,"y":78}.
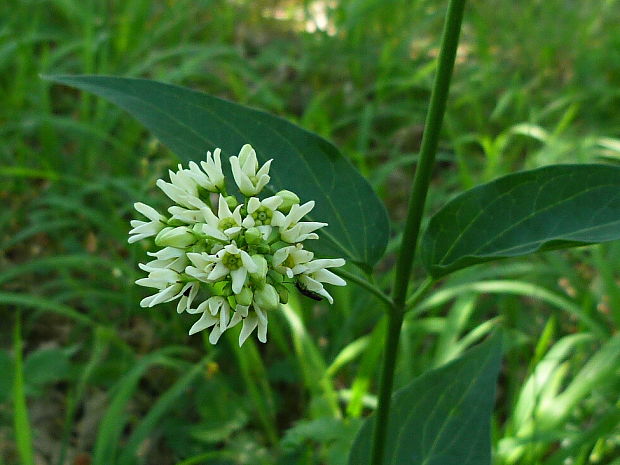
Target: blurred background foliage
{"x":86,"y":376}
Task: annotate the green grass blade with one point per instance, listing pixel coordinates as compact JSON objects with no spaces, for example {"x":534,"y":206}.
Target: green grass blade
{"x":159,"y":409}
{"x":311,"y":362}
{"x":114,"y":420}
{"x":44,"y":304}
{"x":23,"y":433}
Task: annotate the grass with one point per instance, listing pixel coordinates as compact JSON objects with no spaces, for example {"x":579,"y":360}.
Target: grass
{"x":100,"y":379}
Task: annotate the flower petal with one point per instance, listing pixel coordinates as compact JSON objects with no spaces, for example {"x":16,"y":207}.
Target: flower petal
{"x":218,"y":272}
{"x":249,"y":324}
{"x":238,"y":279}
{"x":149,"y":212}
{"x":205,"y":321}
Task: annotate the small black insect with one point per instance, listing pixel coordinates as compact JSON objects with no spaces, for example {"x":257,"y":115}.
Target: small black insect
{"x":307,"y":293}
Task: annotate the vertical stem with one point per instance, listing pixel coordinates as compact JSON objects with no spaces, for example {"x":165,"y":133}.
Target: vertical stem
{"x":417,"y":199}
{"x":428,"y":148}
{"x":392,"y":334}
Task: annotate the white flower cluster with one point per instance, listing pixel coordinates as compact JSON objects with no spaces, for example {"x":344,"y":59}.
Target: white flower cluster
{"x":244,"y":256}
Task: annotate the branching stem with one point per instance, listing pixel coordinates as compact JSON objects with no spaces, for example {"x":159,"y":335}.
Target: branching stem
{"x":417,"y":199}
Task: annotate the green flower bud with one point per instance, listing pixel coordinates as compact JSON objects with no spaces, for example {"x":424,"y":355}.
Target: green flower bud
{"x":282,"y":293}
{"x":223,"y":288}
{"x":263,"y":248}
{"x":288,"y":200}
{"x":245,"y":296}
{"x":275,"y":276}
{"x":231,"y":201}
{"x":232,"y":301}
{"x":179,"y":237}
{"x":260,"y":275}
{"x":274,"y":236}
{"x":278,"y":245}
{"x":175,"y":222}
{"x":253,"y":236}
{"x":267,"y":298}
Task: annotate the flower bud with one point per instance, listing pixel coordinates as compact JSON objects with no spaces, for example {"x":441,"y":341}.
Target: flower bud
{"x":175,"y":222}
{"x":275,"y":276}
{"x":278,"y":245}
{"x":260,"y":275}
{"x":245,"y":297}
{"x":267,"y":298}
{"x":231,"y":201}
{"x":263,"y":248}
{"x":253,"y":236}
{"x":282,"y":293}
{"x":179,"y":237}
{"x":288,"y":200}
{"x":222,"y":288}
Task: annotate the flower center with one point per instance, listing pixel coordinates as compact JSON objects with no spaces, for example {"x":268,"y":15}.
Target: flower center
{"x":262,"y":216}
{"x":289,"y":262}
{"x":226,"y":223}
{"x":232,"y":261}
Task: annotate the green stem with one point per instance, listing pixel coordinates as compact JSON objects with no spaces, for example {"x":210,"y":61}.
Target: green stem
{"x":366,"y":285}
{"x":420,"y":292}
{"x":417,"y":199}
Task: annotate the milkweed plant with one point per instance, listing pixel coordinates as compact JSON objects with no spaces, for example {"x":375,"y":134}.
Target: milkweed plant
{"x":230,"y":253}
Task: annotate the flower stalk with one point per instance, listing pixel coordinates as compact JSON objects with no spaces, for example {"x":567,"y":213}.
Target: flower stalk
{"x":417,"y":200}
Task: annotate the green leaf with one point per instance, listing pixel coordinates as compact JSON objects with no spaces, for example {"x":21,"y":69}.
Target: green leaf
{"x":190,"y":123}
{"x":442,"y":417}
{"x":46,"y":366}
{"x":548,"y":208}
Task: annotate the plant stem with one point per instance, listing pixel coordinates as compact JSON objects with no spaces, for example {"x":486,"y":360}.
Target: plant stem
{"x":417,"y":199}
{"x":420,"y":292}
{"x":366,"y":285}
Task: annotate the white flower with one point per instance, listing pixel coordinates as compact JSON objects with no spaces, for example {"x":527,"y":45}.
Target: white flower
{"x":251,"y":320}
{"x":203,"y":265}
{"x":314,"y":273}
{"x":260,"y":212}
{"x":215,"y":312}
{"x":168,"y":257}
{"x":291,"y":230}
{"x":188,"y":294}
{"x":213,"y":180}
{"x":244,"y":169}
{"x":143,"y":229}
{"x":165,"y":275}
{"x":182,"y":189}
{"x":231,"y":260}
{"x":225,"y":225}
{"x":186,"y":216}
{"x":167,"y":281}
{"x":286,"y":259}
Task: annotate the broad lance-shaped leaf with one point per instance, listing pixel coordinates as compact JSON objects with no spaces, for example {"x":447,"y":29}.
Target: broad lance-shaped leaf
{"x":442,"y":417}
{"x":548,"y":208}
{"x":190,"y":123}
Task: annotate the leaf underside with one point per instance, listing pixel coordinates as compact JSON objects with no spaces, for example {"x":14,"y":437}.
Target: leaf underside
{"x":190,"y":123}
{"x":553,"y":207}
